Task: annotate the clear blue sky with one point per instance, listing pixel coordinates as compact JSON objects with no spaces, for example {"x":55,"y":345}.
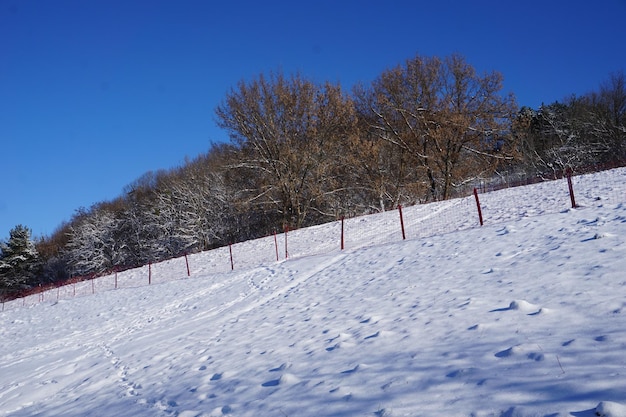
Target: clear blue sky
{"x":94,"y":93}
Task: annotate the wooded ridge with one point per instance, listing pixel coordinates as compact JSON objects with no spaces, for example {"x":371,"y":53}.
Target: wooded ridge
{"x":303,"y":153}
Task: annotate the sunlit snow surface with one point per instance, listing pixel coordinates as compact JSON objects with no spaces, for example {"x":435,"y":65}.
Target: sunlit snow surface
{"x":523,"y":317}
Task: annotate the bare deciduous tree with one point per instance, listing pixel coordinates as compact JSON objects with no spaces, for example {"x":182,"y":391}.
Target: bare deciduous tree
{"x":577,"y":132}
{"x":451,"y":121}
{"x":287,"y":130}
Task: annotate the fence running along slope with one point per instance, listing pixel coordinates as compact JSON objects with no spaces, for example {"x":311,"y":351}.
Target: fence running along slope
{"x":499,"y":202}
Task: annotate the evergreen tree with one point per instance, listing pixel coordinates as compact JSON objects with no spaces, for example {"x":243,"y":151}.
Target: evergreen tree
{"x":19,"y":261}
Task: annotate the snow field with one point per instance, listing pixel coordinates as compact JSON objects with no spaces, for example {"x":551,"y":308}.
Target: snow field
{"x":521,"y":318}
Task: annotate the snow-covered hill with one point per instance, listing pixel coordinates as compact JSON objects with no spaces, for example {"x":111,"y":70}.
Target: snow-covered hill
{"x":523,"y":317}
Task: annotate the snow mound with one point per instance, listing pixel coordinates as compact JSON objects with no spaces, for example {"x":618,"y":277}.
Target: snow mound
{"x":285,"y":379}
{"x":610,"y":409}
{"x":523,"y":306}
{"x":289,"y":379}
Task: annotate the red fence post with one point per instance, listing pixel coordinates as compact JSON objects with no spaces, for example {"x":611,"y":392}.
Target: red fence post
{"x":342,"y":235}
{"x":480,"y":212}
{"x":568,"y":173}
{"x":187,"y":263}
{"x":401,"y":222}
{"x":232,"y":263}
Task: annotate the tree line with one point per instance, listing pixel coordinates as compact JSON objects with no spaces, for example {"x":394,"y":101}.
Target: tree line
{"x":303,"y":153}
